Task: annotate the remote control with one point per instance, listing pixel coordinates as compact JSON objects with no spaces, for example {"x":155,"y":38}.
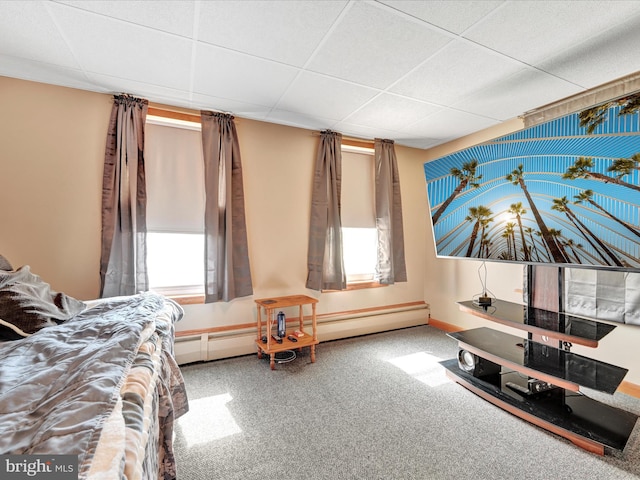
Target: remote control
{"x":292,"y":338}
{"x":276,"y":338}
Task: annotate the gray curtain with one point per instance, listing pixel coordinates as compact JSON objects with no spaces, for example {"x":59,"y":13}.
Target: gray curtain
{"x":227,"y":269}
{"x":391,"y":265}
{"x":123,"y":258}
{"x":324,"y":257}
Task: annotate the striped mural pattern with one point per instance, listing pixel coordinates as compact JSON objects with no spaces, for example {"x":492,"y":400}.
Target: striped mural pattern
{"x":550,"y":193}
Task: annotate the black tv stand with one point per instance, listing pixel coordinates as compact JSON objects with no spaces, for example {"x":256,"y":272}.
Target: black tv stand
{"x":537,"y":378}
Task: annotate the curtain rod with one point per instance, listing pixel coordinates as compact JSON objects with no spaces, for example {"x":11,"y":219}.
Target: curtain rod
{"x":353,"y":140}
{"x":173,"y":114}
{"x":178,"y":113}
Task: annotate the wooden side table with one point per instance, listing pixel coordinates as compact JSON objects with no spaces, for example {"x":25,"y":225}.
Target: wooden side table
{"x":269,"y":306}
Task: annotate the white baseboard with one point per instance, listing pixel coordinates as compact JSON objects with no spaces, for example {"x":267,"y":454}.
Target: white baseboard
{"x":235,"y":343}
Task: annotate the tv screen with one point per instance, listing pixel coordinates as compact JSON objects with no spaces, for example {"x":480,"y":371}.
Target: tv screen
{"x":566,"y":191}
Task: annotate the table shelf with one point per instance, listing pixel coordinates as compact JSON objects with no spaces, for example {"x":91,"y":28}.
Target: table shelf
{"x":537,"y":378}
{"x":559,"y":367}
{"x":559,"y":326}
{"x":588,"y":423}
{"x":286,"y":344}
{"x":268,"y":307}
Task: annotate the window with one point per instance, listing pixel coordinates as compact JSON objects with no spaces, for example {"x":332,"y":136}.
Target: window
{"x":175,"y":206}
{"x":359,"y":234}
{"x":175,"y":262}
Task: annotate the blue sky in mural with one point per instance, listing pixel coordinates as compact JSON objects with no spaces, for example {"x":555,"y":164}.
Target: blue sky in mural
{"x":545,"y":194}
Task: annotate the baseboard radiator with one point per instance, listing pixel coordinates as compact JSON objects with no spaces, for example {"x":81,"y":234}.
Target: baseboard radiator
{"x":232,"y":341}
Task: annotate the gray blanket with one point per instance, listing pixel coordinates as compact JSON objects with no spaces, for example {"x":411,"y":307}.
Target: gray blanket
{"x":28,"y":304}
{"x":59,"y":385}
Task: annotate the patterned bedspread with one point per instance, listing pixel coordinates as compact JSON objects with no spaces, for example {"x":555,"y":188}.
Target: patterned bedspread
{"x":103,"y":385}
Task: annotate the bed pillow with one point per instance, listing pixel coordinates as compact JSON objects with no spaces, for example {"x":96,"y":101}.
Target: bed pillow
{"x":27,"y":304}
{"x":5,"y":264}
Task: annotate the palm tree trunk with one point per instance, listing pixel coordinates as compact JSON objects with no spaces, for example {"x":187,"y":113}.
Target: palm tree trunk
{"x":472,"y":239}
{"x":524,"y":242}
{"x":533,"y":245}
{"x":624,"y":224}
{"x":563,"y":250}
{"x":608,"y":179}
{"x":570,"y":216}
{"x":448,"y":201}
{"x":575,"y":254}
{"x":605,"y":249}
{"x":548,"y":239}
{"x":481,"y":242}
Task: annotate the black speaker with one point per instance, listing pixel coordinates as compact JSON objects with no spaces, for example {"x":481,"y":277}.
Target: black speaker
{"x":475,"y":365}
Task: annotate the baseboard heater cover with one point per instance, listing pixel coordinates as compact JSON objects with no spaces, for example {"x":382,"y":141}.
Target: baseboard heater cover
{"x":232,"y":343}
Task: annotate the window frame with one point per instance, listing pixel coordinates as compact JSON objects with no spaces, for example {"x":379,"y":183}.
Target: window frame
{"x":182,"y":294}
{"x":362,"y":147}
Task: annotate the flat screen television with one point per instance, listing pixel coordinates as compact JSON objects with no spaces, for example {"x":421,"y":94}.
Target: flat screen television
{"x":566,"y":192}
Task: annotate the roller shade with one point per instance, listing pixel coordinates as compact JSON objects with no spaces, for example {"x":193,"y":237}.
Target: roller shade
{"x":358,"y":200}
{"x":175,"y":179}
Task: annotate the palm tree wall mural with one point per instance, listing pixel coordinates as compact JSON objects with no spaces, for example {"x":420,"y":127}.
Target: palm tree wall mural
{"x":552,"y":193}
{"x":466,"y":175}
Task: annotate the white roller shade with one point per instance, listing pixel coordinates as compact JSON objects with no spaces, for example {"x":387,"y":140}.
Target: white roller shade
{"x":358,"y":201}
{"x":175,"y":179}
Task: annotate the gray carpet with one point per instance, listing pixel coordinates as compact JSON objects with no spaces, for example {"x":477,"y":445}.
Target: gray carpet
{"x":372,"y":407}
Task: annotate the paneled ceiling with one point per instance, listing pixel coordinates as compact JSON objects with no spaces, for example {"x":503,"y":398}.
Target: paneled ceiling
{"x":418,"y":72}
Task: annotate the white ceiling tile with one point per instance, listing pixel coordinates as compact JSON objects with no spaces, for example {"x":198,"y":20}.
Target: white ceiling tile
{"x":373,"y":48}
{"x":399,"y":69}
{"x":523,"y":91}
{"x":221,"y":72}
{"x":239,"y":109}
{"x":284,"y":31}
{"x":28,"y":31}
{"x":310,"y":121}
{"x":452,"y":15}
{"x":459,"y":69}
{"x":391,"y":112}
{"x":174,"y":16}
{"x":120,"y":49}
{"x":324,"y":96}
{"x":609,"y":51}
{"x":534,"y":30}
{"x":46,"y":73}
{"x":363,"y":131}
{"x":448,"y":123}
{"x":419,"y":142}
{"x":154,"y":93}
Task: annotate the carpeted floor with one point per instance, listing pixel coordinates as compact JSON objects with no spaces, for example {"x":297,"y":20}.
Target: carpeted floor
{"x":371,"y":407}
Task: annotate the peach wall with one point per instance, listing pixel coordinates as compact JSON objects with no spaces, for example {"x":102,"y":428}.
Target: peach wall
{"x":278,"y":167}
{"x":50,"y":181}
{"x":51,"y":156}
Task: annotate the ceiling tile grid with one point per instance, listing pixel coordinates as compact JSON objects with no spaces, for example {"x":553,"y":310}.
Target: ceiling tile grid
{"x":458,"y":70}
{"x":287,"y":32}
{"x":28,"y":32}
{"x":326,"y":96}
{"x":375,"y":48}
{"x":418,"y":72}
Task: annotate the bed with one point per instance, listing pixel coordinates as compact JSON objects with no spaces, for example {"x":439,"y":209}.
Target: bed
{"x":94,"y":379}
